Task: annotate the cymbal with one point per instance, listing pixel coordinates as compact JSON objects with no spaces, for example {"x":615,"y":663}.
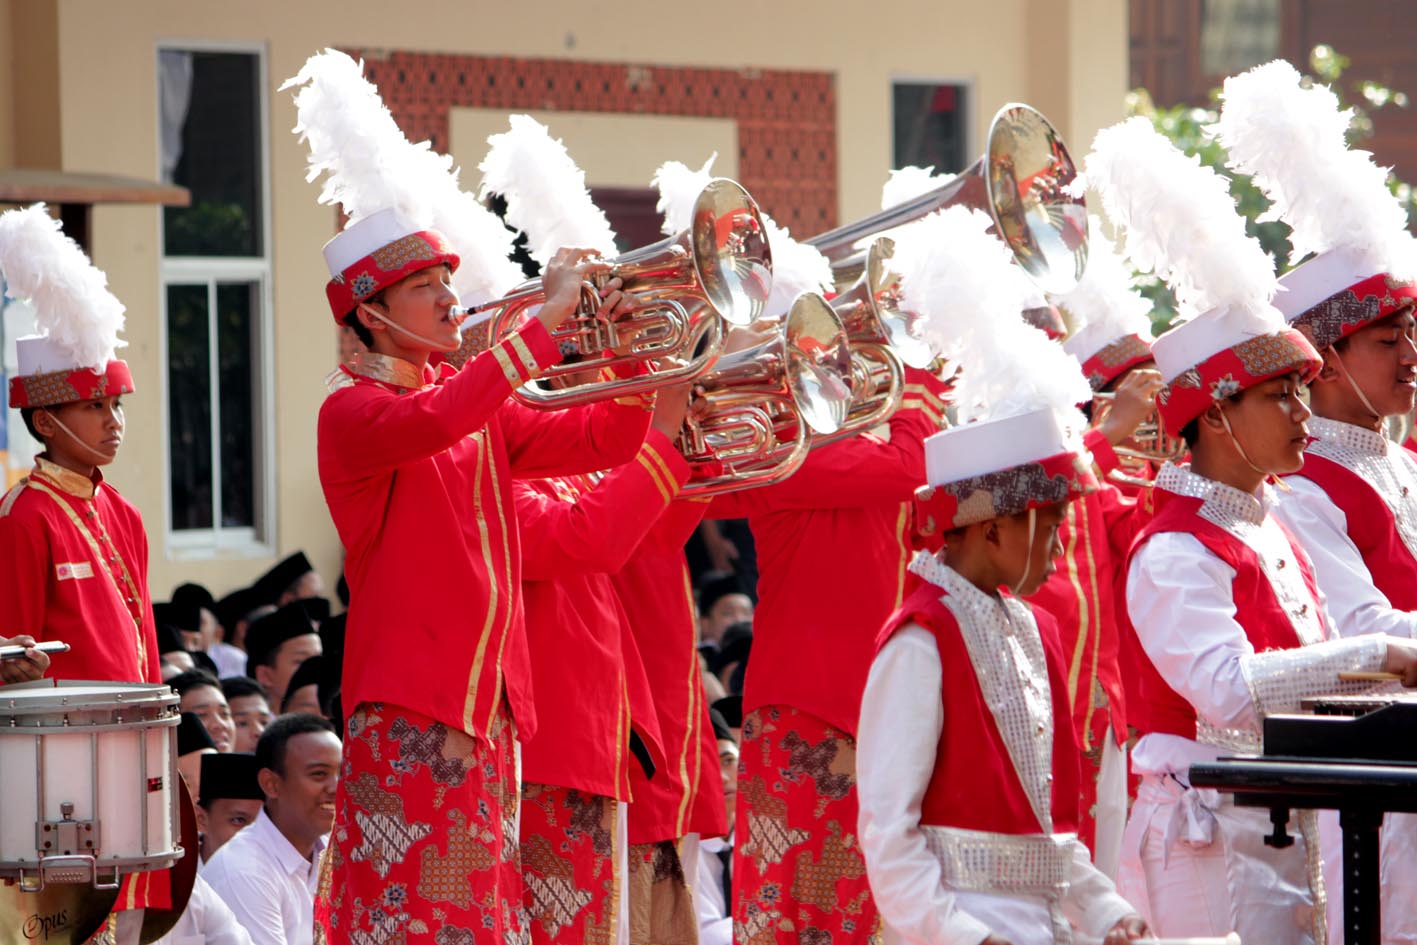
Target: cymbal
{"x":59,"y":914}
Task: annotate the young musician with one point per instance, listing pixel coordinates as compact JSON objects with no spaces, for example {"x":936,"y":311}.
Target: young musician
{"x":75,"y":551}
{"x":1228,"y":620}
{"x":416,"y":466}
{"x":576,"y":769}
{"x":1353,"y":502}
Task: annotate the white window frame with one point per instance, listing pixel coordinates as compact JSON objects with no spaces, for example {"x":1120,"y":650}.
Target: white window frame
{"x":972,"y":147}
{"x":218,"y":542}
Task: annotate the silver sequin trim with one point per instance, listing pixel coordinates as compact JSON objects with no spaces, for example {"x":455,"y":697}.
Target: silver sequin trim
{"x":1007,"y":655}
{"x":1247,"y":518}
{"x":1030,"y":864}
{"x":1281,"y":679}
{"x":1389,"y":470}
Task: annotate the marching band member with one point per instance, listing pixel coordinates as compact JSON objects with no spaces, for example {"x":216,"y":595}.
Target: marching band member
{"x":968,"y":768}
{"x":577,"y":531}
{"x":1221,"y":599}
{"x":75,"y":551}
{"x":416,"y":466}
{"x":1112,"y":344}
{"x":680,"y":802}
{"x":1352,"y":503}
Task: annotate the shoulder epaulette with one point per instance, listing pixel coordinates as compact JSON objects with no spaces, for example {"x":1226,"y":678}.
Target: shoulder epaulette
{"x":11,"y":497}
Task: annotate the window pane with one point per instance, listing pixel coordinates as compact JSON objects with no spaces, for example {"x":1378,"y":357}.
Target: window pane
{"x":189,"y":430}
{"x":1238,"y":34}
{"x":929,"y":126}
{"x":211,"y":135}
{"x":236,"y":340}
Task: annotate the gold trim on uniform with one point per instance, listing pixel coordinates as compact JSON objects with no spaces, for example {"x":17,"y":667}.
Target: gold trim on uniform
{"x":388,"y":370}
{"x":509,"y":370}
{"x":75,"y":484}
{"x":522,"y":351}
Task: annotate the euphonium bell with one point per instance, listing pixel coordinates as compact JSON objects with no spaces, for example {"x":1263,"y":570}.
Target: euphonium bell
{"x":755,"y":413}
{"x":687,"y":286}
{"x":1021,"y":180}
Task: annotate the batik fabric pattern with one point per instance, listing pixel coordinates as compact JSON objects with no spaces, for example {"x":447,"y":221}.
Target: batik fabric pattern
{"x":661,"y":902}
{"x":568,"y":854}
{"x":798,"y":871}
{"x":424,"y":847}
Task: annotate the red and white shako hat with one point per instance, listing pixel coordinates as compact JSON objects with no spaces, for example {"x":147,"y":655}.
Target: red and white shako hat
{"x":404,"y":206}
{"x":1292,"y":140}
{"x":72,"y":358}
{"x":1179,"y":221}
{"x":1018,"y":444}
{"x":1111,"y":319}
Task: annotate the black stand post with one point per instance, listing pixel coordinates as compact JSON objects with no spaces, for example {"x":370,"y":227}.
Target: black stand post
{"x":1362,"y":886}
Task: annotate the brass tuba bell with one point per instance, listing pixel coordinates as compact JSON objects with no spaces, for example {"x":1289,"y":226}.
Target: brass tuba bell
{"x":755,"y":414}
{"x":688,"y":286}
{"x":1151,"y":443}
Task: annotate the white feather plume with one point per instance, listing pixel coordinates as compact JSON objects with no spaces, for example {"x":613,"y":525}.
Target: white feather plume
{"x":907,"y":183}
{"x":679,"y":186}
{"x":971,"y":297}
{"x":1179,"y":221}
{"x":1292,"y":141}
{"x":69,"y":294}
{"x":796,"y":267}
{"x":1106,"y":302}
{"x":370,"y":166}
{"x":545,"y":191}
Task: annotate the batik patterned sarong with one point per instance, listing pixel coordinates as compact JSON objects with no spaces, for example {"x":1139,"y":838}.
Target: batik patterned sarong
{"x":424,"y":847}
{"x":661,"y":903}
{"x":798,"y":872}
{"x":569,"y":865}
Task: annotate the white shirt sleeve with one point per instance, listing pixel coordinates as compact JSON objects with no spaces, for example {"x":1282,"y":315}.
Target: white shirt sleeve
{"x":253,"y":897}
{"x":902,"y":716}
{"x":1092,"y":902}
{"x":1354,"y":601}
{"x":1181,"y":602}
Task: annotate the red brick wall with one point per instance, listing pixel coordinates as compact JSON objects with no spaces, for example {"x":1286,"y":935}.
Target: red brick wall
{"x":786,"y":120}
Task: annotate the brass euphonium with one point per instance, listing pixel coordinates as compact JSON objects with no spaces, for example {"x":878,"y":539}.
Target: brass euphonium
{"x":754,"y":415}
{"x":1021,"y":180}
{"x":1149,"y":444}
{"x":688,"y":286}
{"x":883,"y":337}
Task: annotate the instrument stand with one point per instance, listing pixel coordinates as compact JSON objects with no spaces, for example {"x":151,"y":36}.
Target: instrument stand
{"x":1362,"y":889}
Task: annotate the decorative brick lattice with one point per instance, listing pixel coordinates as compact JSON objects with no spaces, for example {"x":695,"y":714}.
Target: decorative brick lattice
{"x":786,"y":120}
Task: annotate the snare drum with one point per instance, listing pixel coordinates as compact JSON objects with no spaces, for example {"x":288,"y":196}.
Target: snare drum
{"x":88,"y":774}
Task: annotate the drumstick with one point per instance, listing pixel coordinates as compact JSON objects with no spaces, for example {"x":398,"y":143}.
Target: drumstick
{"x":1355,"y":676}
{"x":18,"y":652}
{"x":1232,"y":939}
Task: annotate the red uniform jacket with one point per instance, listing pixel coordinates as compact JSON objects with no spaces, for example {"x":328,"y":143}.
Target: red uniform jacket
{"x":1159,"y":708}
{"x":685,"y":796}
{"x":585,"y":667}
{"x":416,"y":469}
{"x":74,"y":567}
{"x":1081,"y":596}
{"x":832,"y":543}
{"x":975,"y":785}
{"x":1371,"y":526}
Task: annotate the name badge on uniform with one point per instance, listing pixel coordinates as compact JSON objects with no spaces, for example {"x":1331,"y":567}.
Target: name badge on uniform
{"x":73,"y":570}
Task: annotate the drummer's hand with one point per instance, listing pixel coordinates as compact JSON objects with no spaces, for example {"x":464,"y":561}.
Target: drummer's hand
{"x":1402,"y":660}
{"x":1128,"y":928}
{"x":30,"y":666}
{"x":562,"y":280}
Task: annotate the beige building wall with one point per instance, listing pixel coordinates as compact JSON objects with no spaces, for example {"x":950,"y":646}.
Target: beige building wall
{"x":1068,"y":58}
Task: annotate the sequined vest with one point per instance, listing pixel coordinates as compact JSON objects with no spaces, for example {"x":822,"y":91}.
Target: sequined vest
{"x":1372,"y":527}
{"x":1001,"y":765}
{"x":1258,"y":610}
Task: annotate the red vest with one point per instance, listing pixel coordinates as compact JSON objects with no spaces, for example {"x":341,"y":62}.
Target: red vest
{"x":1372,"y":527}
{"x":974,"y":785}
{"x":1158,"y":708}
